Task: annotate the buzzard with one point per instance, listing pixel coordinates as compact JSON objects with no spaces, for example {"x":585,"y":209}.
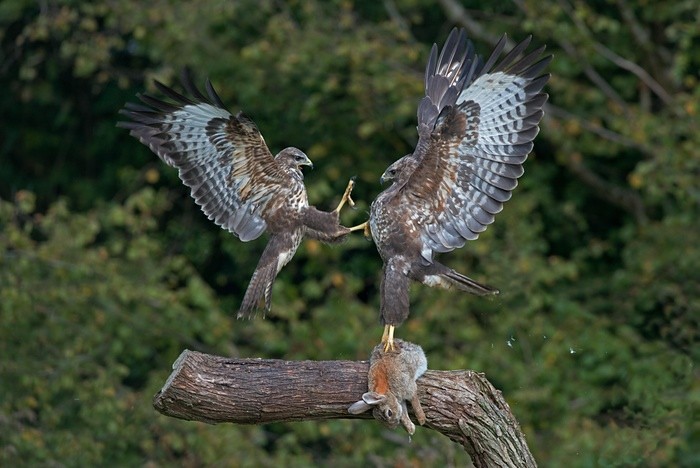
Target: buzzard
{"x":476,"y":125}
{"x":234,"y":178}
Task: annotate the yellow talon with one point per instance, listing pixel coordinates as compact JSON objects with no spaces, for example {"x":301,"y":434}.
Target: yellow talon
{"x":359,"y":226}
{"x":362,"y":227}
{"x":388,"y":338}
{"x":346,"y":196}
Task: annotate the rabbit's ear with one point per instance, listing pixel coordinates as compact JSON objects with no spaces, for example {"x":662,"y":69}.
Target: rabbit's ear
{"x":359,"y":407}
{"x":373,"y":398}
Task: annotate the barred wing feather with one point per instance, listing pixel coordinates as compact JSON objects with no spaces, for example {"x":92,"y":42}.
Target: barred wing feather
{"x":477,"y":146}
{"x":222,"y":158}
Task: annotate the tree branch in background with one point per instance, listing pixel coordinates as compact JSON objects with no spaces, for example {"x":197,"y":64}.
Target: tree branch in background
{"x":636,"y":70}
{"x":550,"y":110}
{"x":461,"y":405}
{"x":458,"y":14}
{"x":621,"y":62}
{"x":628,"y":200}
{"x":593,"y":75}
{"x":396,"y":16}
{"x":642,"y":36}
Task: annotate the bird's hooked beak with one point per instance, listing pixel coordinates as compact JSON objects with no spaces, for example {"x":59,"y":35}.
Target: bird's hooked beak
{"x":391,"y":171}
{"x":306,"y":162}
{"x":388,"y":175}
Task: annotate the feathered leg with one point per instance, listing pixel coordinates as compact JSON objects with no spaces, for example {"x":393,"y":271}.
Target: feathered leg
{"x":394,"y":303}
{"x":323,"y":225}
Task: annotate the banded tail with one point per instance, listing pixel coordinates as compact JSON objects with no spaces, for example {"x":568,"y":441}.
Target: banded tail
{"x":259,"y":288}
{"x":279,"y":251}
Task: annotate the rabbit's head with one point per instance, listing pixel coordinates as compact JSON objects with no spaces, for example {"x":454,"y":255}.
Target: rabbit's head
{"x":392,"y":381}
{"x":385,"y":408}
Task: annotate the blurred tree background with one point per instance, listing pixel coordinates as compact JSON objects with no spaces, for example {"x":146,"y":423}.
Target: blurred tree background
{"x":108,"y":269}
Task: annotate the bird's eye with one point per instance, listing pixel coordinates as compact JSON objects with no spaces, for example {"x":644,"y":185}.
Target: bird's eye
{"x":392,"y":172}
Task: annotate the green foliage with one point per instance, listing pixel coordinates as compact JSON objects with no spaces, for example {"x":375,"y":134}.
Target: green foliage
{"x":108,"y":270}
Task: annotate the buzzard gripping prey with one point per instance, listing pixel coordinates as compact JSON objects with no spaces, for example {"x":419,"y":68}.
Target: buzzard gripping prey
{"x":234,"y":178}
{"x":476,"y":125}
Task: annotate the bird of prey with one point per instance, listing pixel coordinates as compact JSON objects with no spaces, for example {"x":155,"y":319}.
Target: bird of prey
{"x":476,"y":125}
{"x":234,"y":178}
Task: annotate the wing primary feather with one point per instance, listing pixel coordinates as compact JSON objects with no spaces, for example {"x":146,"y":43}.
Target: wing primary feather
{"x":431,"y":66}
{"x":213,"y":96}
{"x":512,"y":55}
{"x":427,"y":112}
{"x":473,"y":67}
{"x":188,"y":83}
{"x":518,"y":67}
{"x":494,"y":55}
{"x":139,"y":119}
{"x":448,"y":49}
{"x":172,"y":94}
{"x":538,"y":101}
{"x":536,"y":85}
{"x":537,"y":68}
{"x":136,"y":107}
{"x":158,"y":104}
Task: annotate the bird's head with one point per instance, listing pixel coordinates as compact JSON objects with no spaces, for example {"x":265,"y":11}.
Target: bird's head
{"x":294,"y":157}
{"x":395,"y":170}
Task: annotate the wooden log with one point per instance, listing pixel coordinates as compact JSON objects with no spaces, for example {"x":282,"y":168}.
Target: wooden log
{"x":462,"y":404}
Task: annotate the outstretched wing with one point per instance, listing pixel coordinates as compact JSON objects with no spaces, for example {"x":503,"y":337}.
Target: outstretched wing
{"x":222,"y":158}
{"x":473,"y":154}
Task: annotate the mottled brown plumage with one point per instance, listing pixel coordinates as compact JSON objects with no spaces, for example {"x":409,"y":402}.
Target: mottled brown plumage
{"x":476,"y":125}
{"x":234,"y":178}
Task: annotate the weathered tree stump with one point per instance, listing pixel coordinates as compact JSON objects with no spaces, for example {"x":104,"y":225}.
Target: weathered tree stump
{"x":462,"y":404}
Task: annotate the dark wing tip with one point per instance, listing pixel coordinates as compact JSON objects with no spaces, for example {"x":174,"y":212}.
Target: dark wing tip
{"x":188,"y":83}
{"x":431,"y":66}
{"x":449,"y":69}
{"x":124,"y":124}
{"x":158,"y":104}
{"x":500,"y":45}
{"x":172,"y":94}
{"x":213,"y":95}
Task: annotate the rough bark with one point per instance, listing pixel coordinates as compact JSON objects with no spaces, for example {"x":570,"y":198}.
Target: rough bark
{"x":462,"y":405}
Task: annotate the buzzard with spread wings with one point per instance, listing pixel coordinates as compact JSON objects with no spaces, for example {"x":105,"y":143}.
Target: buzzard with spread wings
{"x":234,"y":178}
{"x":476,"y":125}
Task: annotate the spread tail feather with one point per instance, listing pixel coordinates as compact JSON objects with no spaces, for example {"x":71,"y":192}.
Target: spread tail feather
{"x":464,"y":283}
{"x":441,"y":276}
{"x":259,"y":288}
{"x":279,"y":251}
